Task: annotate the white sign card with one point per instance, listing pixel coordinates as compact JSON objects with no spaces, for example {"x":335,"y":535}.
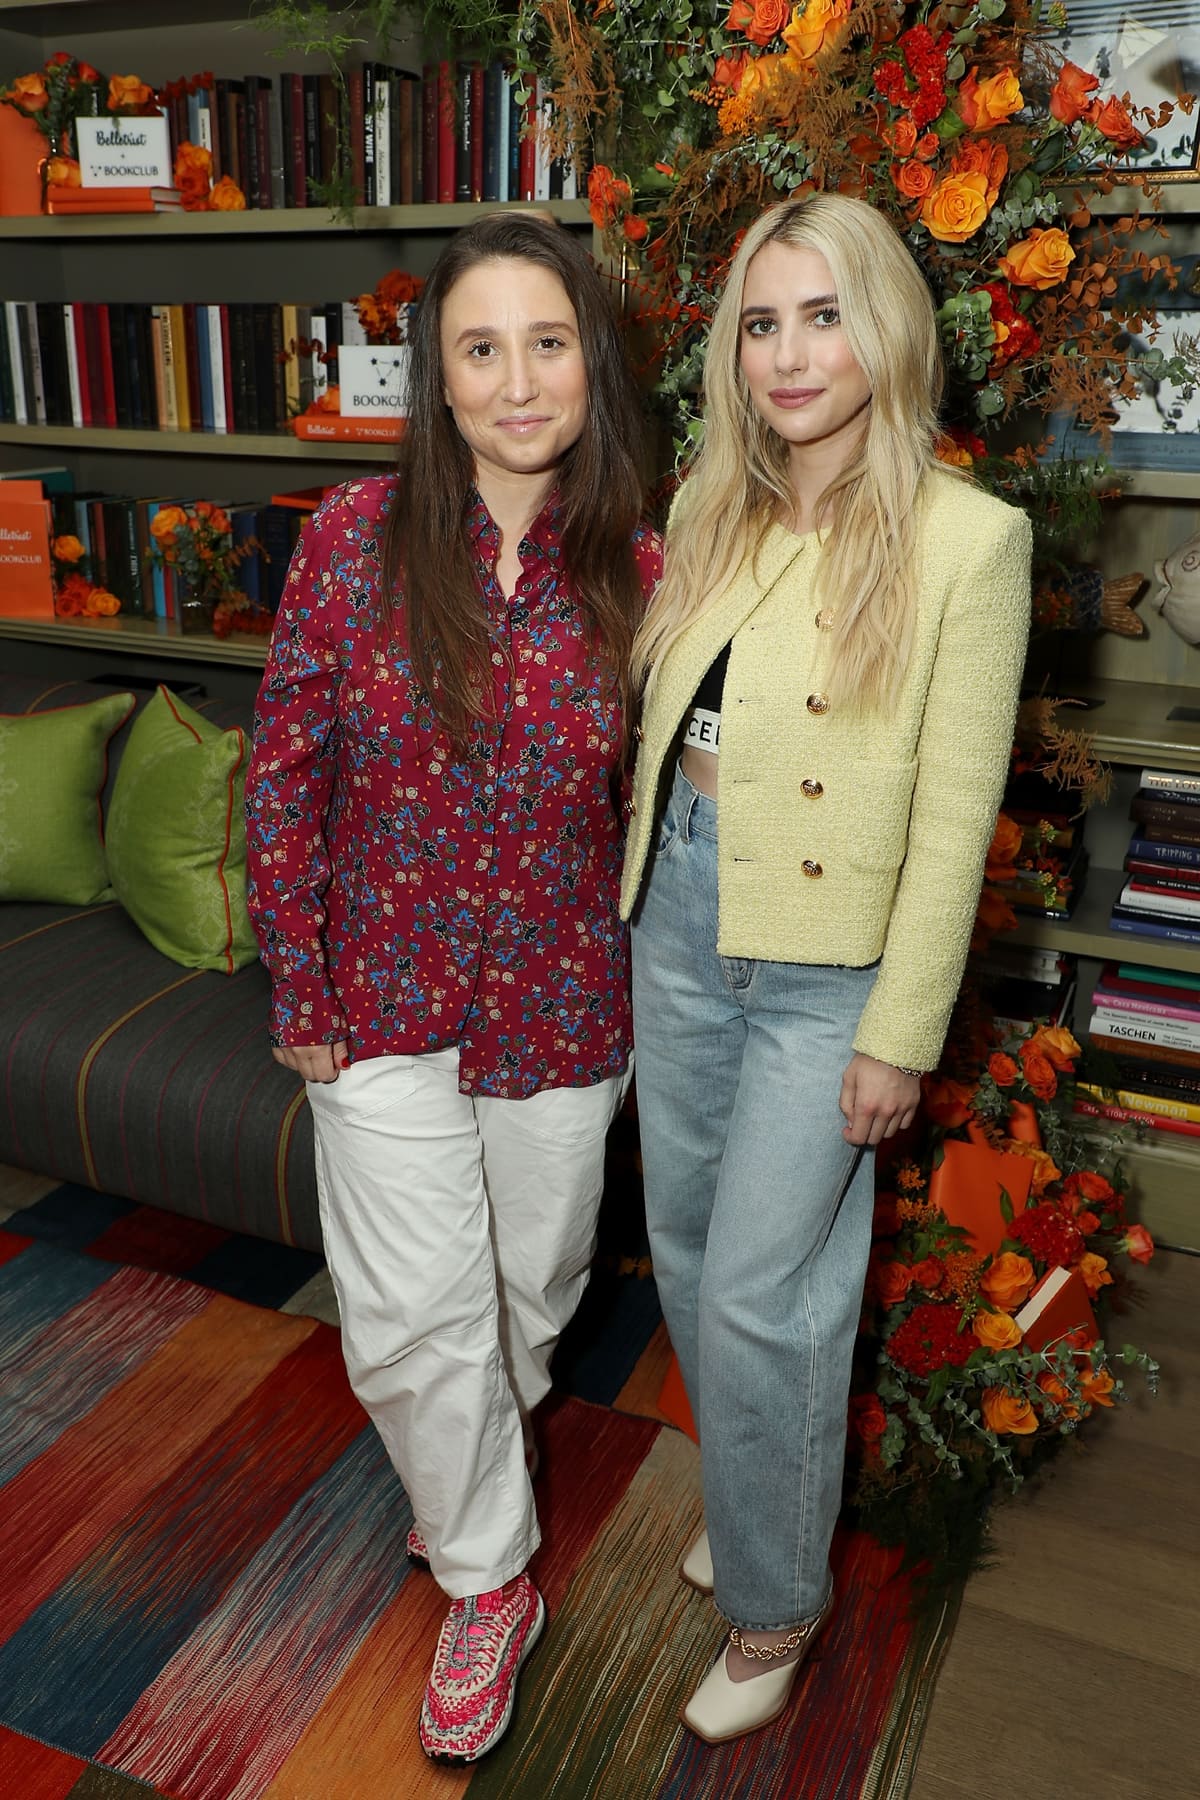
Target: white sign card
{"x":373,"y":381}
{"x":118,"y":152}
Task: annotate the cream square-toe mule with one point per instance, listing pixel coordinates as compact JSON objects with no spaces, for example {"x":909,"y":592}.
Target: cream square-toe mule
{"x":721,"y":1709}
{"x":696,"y":1568}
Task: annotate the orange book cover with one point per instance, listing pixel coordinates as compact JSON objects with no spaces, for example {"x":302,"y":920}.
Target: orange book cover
{"x":1058,"y":1305}
{"x":332,"y":428}
{"x":72,"y":208}
{"x":26,"y":572}
{"x":303,"y":499}
{"x":966,"y":1186}
{"x":22,"y":153}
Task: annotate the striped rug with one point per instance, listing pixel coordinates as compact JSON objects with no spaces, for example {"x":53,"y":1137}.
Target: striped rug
{"x":203,"y":1593}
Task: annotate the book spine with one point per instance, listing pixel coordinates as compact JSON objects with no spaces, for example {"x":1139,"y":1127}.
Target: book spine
{"x":16,"y":365}
{"x":170,"y":372}
{"x":225,"y":366}
{"x":74,"y":384}
{"x":291,"y":368}
{"x":99,"y":328}
{"x":312,"y":130}
{"x":1136,"y":972}
{"x":477,"y":147}
{"x":541,"y":153}
{"x":355,"y":79}
{"x":248,"y":131}
{"x":160,"y":377}
{"x":279,"y":412}
{"x":1163,"y":1105}
{"x":78,"y":329}
{"x":504,"y":133}
{"x":1125,"y":1115}
{"x":407,"y":99}
{"x":7,"y":405}
{"x":295,"y":146}
{"x":216,"y":367}
{"x":1156,"y":851}
{"x":204,"y":122}
{"x":320,"y":371}
{"x":204,"y":365}
{"x":276,"y":152}
{"x":527,"y":176}
{"x":1139,"y":925}
{"x":1163,"y":876}
{"x":446,"y":146}
{"x":370,"y":136}
{"x":429,"y":134}
{"x":396,"y":85}
{"x":1167,"y":1034}
{"x":1171,"y":781}
{"x":383,"y":136}
{"x":493,"y":83}
{"x":192,"y":366}
{"x":1136,"y":1004}
{"x":327,"y":124}
{"x":264,"y":94}
{"x":1157,"y":896}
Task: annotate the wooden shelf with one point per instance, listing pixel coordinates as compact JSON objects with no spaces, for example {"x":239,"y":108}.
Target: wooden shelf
{"x":301,"y":220}
{"x":1159,"y":484}
{"x":268,"y":448}
{"x":1132,"y":722}
{"x":1090,"y":934}
{"x":128,"y":636}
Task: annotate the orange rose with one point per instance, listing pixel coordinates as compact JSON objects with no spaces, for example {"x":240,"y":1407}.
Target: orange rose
{"x":28,"y":94}
{"x":1007,"y":1280}
{"x":956,"y":208}
{"x":1087,"y":1222}
{"x":63,"y":171}
{"x":1113,"y":122}
{"x":212,"y":514}
{"x":819,"y":26}
{"x":980,"y":156}
{"x":902,"y":136}
{"x":71,"y":596}
{"x":1056,"y":1044}
{"x":192,"y":161}
{"x":1038,"y":1072}
{"x":1006,"y":1413}
{"x":635,"y":229}
{"x":329,"y":401}
{"x":760,"y":21}
{"x":165,"y":523}
{"x":67,"y":549}
{"x":868,"y":1416}
{"x":127,"y":91}
{"x":89,"y":75}
{"x":1096,"y":1386}
{"x":1085,"y":1184}
{"x":927,"y":146}
{"x":1057,"y":1390}
{"x":947,"y":1102}
{"x":997,"y":1330}
{"x":982,"y":104}
{"x":929,"y":1273}
{"x":101,"y":604}
{"x":912,"y":179}
{"x":1137,"y":1242}
{"x":1069,"y":96}
{"x":1002,"y":1069}
{"x":1045,"y":1170}
{"x":226,"y":196}
{"x":608,"y":195}
{"x":892,"y":1282}
{"x":1039,"y":261}
{"x":1094,"y":1270}
{"x":1002,"y":852}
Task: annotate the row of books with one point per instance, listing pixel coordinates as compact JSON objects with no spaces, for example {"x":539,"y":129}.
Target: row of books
{"x":1161,"y":898}
{"x":453,"y":131}
{"x":114,"y":530}
{"x":1148,"y":1022}
{"x":241,"y":366}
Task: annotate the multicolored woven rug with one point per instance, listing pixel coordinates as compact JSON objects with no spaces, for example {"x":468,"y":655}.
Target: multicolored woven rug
{"x":203,"y":1592}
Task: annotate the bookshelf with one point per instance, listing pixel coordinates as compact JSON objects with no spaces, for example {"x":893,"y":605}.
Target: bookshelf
{"x":309,"y":221}
{"x":128,"y":636}
{"x":269,"y":447}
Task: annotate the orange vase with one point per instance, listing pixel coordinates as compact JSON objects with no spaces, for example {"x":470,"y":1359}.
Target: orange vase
{"x":22,"y":153}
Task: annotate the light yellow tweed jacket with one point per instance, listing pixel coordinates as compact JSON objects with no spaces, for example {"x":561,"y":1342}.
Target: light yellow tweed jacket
{"x":846,"y":838}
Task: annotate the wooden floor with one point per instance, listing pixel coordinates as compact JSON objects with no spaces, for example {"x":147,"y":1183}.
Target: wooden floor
{"x":1074,"y":1671}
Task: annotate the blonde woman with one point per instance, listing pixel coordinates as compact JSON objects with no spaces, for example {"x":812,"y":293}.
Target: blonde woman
{"x":831,"y":668}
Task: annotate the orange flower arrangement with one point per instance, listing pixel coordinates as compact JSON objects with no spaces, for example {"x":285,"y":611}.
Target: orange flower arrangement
{"x":54,"y":96}
{"x":197,"y":192}
{"x":384,"y":313}
{"x":195,"y":540}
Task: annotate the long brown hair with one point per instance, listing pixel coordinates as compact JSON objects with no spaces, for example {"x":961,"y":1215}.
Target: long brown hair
{"x":430,"y":590}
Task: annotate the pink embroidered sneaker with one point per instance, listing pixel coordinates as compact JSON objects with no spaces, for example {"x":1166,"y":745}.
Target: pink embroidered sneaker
{"x":416,"y":1549}
{"x":483,"y":1643}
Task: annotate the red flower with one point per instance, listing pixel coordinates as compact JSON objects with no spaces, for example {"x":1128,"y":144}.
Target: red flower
{"x":1069,"y":96}
{"x":1138,"y":1244}
{"x":1002,"y":1069}
{"x":608,"y":196}
{"x":1039,"y":1073}
{"x":929,"y":1339}
{"x":1015,"y":336}
{"x":868,"y":1417}
{"x":1050,"y":1235}
{"x":1113,"y":122}
{"x":929,"y":1274}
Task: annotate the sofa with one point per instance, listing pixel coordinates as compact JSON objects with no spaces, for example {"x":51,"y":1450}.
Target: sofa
{"x":133,"y":1075}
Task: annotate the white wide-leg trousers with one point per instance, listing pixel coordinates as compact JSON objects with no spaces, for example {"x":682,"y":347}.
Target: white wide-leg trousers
{"x":459,"y":1232}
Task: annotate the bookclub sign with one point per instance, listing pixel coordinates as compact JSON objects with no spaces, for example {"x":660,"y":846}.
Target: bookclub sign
{"x":124,"y":152}
{"x":373,"y":381}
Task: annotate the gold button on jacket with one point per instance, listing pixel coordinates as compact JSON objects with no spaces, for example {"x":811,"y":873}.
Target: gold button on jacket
{"x":909,"y":790}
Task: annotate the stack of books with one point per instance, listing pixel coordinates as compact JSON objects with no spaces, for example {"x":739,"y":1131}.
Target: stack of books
{"x":1161,"y":898}
{"x":1025,"y":985}
{"x":1148,"y":1020}
{"x":72,"y":201}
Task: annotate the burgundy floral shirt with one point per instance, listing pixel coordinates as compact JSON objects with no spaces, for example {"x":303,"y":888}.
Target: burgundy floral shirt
{"x":405,"y":898}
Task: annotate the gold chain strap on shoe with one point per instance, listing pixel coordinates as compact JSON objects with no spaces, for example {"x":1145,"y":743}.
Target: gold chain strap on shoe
{"x":769,"y":1652}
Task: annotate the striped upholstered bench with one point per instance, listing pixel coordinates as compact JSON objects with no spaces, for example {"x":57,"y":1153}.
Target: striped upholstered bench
{"x":131,"y":1075}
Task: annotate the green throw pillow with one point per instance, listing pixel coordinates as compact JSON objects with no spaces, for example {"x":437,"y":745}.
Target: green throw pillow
{"x":176,"y":842}
{"x":52,"y":771}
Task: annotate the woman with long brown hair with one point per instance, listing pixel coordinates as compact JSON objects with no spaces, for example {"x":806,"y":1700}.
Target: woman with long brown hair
{"x":435,"y":854}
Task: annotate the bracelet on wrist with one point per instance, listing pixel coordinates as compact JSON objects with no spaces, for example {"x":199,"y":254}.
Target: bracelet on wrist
{"x":903,"y":1071}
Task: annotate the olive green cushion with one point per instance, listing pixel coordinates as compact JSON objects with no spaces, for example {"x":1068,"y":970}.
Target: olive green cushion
{"x":176,"y":840}
{"x":52,"y":770}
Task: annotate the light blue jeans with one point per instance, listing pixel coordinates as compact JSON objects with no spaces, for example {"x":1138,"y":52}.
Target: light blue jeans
{"x":759,"y":1215}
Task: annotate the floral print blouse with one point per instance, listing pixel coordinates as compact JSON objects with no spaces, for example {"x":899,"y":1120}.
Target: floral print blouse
{"x":406,"y":898}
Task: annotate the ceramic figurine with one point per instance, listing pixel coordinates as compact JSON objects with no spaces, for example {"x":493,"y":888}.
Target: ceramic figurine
{"x":1082,"y":599}
{"x":1178,"y":598}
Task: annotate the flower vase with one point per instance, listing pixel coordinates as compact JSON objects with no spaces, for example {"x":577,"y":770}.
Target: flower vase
{"x":194,"y":610}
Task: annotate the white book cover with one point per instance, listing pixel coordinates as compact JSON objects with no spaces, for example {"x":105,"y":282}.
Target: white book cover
{"x":320,"y":336}
{"x":1146,"y":900}
{"x":1171,"y":778}
{"x":505,"y":147}
{"x":352,"y":331}
{"x":541,"y":162}
{"x":204,"y":121}
{"x":20,"y":406}
{"x":1172,"y":1034}
{"x":216,"y":354}
{"x":38,"y":408}
{"x":570,"y":180}
{"x":169,"y":353}
{"x":73,"y":366}
{"x":383,"y":142}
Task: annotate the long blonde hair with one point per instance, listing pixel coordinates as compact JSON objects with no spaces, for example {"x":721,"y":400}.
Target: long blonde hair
{"x":737,"y":484}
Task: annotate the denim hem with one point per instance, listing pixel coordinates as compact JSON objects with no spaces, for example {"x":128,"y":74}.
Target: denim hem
{"x":794,"y":1625}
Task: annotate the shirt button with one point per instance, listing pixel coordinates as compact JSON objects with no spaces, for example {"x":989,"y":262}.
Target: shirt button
{"x":825,"y":619}
{"x":812,"y":788}
{"x":817,"y":703}
{"x":812,"y":869}
{"x":639,"y":734}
